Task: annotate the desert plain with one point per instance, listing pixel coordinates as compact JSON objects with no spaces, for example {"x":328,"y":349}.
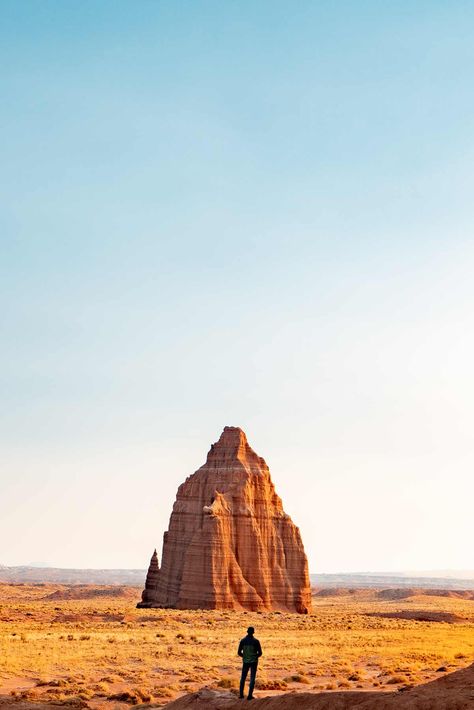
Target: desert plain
{"x":89,"y":646}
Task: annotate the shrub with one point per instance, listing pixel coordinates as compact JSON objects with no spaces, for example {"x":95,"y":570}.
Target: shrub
{"x":296,"y":678}
{"x":134,"y":696}
{"x":101,"y":688}
{"x":396,"y":679}
{"x":264,"y":684}
{"x":162,"y":692}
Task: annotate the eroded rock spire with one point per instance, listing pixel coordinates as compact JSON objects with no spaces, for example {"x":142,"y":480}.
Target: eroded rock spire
{"x":229,"y":544}
{"x":151,"y":583}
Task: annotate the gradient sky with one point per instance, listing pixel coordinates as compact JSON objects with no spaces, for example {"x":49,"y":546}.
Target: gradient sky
{"x":251,"y":213}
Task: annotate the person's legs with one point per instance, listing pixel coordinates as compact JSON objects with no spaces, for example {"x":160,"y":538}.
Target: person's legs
{"x":253,"y":674}
{"x":243,"y":677}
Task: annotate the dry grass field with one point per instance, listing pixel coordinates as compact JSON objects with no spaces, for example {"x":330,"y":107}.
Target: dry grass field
{"x":92,"y":644}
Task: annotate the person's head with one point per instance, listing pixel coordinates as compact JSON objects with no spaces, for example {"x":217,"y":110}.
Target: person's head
{"x":250,"y":631}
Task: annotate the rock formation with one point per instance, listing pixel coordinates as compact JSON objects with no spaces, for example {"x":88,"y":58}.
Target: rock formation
{"x":229,"y":544}
{"x":151,"y":580}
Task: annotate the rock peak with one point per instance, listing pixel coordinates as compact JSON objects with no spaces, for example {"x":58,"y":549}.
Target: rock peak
{"x":233,"y":446}
{"x":151,"y":582}
{"x":234,"y":431}
{"x":232,"y":437}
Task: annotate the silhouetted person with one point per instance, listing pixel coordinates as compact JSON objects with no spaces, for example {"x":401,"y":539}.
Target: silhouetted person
{"x":249,"y":651}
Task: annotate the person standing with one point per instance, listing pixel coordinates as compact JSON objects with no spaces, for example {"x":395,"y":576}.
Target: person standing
{"x":250,"y":651}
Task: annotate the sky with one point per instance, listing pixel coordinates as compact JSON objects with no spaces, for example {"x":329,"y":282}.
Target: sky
{"x":257,"y":214}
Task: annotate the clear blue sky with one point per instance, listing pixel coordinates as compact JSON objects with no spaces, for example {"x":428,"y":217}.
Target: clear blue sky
{"x":237,"y":213}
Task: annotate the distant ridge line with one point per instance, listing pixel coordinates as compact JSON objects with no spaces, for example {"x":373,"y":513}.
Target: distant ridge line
{"x":382,"y":581}
{"x":58,"y":575}
{"x":135,"y":577}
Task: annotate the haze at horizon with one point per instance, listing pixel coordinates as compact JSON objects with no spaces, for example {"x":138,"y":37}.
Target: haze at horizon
{"x":252,"y":214}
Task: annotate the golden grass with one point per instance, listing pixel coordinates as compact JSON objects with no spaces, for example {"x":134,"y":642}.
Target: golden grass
{"x":106,"y":652}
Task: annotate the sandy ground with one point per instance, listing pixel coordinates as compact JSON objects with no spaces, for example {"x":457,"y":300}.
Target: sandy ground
{"x":452,"y":692}
{"x":90,"y":646}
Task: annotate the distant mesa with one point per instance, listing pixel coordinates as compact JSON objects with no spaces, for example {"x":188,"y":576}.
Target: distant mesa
{"x":230,"y":545}
{"x":52,"y":575}
{"x":443,"y":617}
{"x":86,"y":591}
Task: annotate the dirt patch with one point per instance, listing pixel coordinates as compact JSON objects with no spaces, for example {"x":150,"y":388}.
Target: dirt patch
{"x":421,"y":615}
{"x":6,"y":702}
{"x":338,"y":592}
{"x":87,"y":618}
{"x":394,"y":594}
{"x":86,"y":591}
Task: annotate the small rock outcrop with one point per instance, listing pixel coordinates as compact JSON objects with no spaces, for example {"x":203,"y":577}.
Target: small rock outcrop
{"x":230,"y":545}
{"x":151,"y":581}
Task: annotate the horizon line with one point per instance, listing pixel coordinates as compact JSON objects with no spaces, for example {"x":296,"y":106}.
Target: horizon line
{"x":366,"y":573}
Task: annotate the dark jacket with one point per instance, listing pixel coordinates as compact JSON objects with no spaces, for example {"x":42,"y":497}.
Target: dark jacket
{"x":250,"y":649}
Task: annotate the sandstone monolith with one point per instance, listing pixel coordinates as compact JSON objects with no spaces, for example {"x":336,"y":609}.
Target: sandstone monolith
{"x":229,"y":544}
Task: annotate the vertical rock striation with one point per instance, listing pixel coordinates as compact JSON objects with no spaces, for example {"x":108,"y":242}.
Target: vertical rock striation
{"x":230,"y":545}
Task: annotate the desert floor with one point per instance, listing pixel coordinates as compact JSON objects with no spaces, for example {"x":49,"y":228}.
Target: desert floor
{"x":91,"y":643}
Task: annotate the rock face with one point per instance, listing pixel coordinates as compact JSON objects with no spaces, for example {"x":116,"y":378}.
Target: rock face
{"x":229,"y":544}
